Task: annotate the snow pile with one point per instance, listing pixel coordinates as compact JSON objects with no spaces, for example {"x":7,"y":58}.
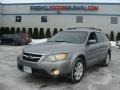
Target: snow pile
{"x":113,"y":44}
{"x":35,"y":41}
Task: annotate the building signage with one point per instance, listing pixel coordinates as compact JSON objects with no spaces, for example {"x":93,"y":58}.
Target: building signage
{"x":64,"y":7}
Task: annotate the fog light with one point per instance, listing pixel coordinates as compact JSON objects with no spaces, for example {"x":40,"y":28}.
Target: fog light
{"x":55,"y":72}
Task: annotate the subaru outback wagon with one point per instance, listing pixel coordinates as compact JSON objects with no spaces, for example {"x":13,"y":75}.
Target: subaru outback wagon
{"x":68,"y":53}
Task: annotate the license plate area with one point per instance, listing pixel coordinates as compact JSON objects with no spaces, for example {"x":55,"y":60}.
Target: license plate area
{"x":27,"y":69}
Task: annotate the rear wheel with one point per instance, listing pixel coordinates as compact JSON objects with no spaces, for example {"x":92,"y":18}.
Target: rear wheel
{"x":78,"y":71}
{"x":107,"y":60}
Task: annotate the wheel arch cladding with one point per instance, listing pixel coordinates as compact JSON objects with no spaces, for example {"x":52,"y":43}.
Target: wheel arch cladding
{"x":83,"y":59}
{"x":75,"y":58}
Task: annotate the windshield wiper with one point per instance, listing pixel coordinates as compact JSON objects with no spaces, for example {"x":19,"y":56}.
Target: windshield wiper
{"x":59,"y":41}
{"x":56,"y":41}
{"x":62,"y":41}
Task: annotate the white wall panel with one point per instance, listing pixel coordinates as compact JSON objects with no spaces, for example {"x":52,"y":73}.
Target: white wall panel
{"x":99,"y":19}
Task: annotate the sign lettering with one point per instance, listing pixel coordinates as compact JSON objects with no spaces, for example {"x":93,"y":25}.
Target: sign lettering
{"x":64,"y":7}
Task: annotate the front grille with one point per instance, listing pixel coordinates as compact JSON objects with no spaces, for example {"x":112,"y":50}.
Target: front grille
{"x":31,"y":57}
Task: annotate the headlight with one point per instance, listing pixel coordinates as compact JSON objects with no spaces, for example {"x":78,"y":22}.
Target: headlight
{"x":56,"y":57}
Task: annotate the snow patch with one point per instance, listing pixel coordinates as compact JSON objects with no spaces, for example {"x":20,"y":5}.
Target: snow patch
{"x":113,"y":44}
{"x":101,"y":77}
{"x":35,"y":41}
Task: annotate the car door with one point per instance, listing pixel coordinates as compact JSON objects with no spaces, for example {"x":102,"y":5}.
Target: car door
{"x":92,"y":50}
{"x":103,"y":45}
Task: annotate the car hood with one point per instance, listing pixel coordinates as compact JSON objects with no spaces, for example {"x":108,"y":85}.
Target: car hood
{"x":48,"y":48}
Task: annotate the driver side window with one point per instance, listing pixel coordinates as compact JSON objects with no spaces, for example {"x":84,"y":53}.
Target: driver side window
{"x":92,"y":38}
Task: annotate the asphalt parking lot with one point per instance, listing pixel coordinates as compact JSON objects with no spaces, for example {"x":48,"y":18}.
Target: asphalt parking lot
{"x":96,"y":78}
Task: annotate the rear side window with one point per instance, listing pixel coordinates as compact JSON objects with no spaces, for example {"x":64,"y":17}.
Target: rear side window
{"x":105,"y":38}
{"x":101,"y":37}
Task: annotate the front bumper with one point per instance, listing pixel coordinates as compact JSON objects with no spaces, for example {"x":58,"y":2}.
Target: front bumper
{"x":44,"y":67}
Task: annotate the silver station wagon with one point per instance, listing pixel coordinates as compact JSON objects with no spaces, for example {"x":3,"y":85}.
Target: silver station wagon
{"x":69,"y":53}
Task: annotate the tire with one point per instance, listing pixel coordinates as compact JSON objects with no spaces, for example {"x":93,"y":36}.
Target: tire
{"x":107,"y":60}
{"x":77,"y":71}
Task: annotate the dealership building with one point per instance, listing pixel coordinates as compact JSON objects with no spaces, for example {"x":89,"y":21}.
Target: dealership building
{"x":105,"y":16}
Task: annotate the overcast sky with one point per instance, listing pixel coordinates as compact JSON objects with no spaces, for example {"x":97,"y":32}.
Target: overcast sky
{"x":40,"y":1}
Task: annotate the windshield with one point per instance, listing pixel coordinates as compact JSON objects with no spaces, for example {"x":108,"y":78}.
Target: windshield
{"x":70,"y":37}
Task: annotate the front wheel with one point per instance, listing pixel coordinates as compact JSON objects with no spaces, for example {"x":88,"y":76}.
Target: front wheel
{"x":77,"y":72}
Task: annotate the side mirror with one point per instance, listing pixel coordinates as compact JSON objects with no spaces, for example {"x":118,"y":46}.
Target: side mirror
{"x":92,"y":42}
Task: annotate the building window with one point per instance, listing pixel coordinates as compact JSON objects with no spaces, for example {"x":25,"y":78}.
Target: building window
{"x":114,"y":20}
{"x":79,"y":19}
{"x":43,"y":18}
{"x":18,"y":18}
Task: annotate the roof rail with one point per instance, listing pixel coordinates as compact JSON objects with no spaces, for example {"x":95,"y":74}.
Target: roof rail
{"x":99,"y":29}
{"x":82,"y":28}
{"x":89,"y":28}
